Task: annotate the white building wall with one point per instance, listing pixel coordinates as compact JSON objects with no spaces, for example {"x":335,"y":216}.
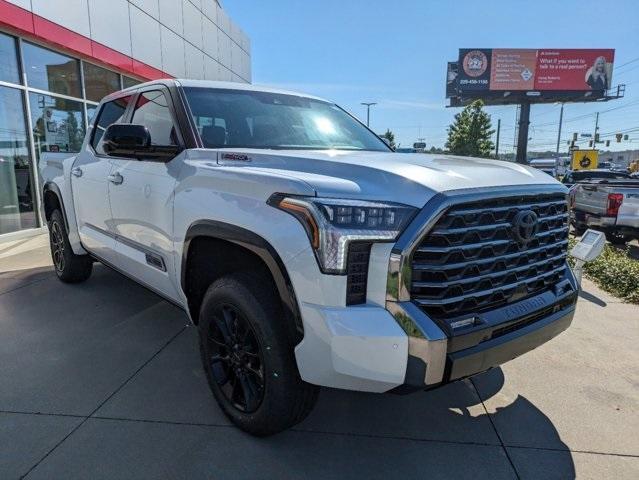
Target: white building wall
{"x":194,"y":38}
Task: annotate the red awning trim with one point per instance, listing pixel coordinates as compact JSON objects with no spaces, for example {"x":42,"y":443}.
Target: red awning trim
{"x":29,"y":25}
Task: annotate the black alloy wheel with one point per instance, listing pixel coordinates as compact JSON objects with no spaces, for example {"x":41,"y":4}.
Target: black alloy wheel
{"x":57,"y":246}
{"x":236,"y":359}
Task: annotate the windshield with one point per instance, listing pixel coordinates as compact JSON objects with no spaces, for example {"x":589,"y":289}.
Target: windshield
{"x":249,"y":119}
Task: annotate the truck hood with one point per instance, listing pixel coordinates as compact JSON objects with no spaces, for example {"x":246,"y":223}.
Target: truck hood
{"x":411,"y":179}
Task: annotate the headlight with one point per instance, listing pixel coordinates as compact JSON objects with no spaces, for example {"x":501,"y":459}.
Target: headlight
{"x":331,"y":224}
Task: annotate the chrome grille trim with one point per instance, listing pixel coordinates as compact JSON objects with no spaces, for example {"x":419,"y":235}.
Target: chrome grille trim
{"x":490,"y":275}
{"x":469,"y":261}
{"x":474,"y":246}
{"x":452,"y":266}
{"x":483,"y":293}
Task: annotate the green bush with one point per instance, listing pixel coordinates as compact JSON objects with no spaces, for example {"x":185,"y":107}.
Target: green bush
{"x":615,"y":272}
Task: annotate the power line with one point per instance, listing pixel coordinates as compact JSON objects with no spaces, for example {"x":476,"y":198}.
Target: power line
{"x":628,"y":63}
{"x":626,"y":71}
{"x":580,"y":117}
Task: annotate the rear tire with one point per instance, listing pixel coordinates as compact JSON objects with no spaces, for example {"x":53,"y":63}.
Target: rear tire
{"x":578,"y":231}
{"x":617,"y":238}
{"x":248,"y":357}
{"x":69,"y":267}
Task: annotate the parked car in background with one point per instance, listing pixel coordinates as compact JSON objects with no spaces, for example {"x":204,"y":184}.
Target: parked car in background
{"x":546,"y":165}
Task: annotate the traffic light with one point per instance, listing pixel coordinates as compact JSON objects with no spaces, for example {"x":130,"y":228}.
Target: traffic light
{"x":619,"y":137}
{"x":625,"y":137}
{"x":590,"y":143}
{"x":574,"y":136}
{"x":596,"y":138}
{"x":607,"y":143}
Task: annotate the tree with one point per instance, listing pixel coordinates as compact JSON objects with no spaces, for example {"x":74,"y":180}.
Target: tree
{"x":470,"y":134}
{"x":390,"y":136}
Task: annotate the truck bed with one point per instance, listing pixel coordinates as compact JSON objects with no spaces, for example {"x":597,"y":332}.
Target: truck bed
{"x":591,"y":201}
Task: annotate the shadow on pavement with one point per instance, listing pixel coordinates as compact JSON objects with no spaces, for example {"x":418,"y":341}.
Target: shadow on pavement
{"x":592,"y":298}
{"x":12,"y":279}
{"x":526,"y":416}
{"x":165,"y":421}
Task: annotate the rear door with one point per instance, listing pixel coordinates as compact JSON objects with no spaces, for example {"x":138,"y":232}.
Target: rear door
{"x":142,"y":198}
{"x":90,"y":180}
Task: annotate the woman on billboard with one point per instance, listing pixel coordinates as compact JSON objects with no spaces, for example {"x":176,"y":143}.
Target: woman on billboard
{"x":597,"y":75}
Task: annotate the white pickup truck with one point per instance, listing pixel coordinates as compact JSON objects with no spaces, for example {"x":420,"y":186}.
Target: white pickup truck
{"x":304,"y":249}
{"x":611,"y":206}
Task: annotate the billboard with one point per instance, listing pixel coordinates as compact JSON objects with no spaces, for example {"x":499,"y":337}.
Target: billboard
{"x":495,"y":72}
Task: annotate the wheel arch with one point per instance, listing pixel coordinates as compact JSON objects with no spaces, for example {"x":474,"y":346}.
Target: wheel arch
{"x":252,"y":244}
{"x":52,"y":199}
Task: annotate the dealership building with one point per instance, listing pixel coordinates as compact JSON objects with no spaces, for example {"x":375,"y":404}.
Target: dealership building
{"x":58,"y":58}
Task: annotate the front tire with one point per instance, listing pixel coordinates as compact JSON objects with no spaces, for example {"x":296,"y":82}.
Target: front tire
{"x":69,"y":267}
{"x":248,"y":357}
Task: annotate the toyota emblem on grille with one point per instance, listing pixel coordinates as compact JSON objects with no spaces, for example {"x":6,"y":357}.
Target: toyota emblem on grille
{"x":525,"y":226}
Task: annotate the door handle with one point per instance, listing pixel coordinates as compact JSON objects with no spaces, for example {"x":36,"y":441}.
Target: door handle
{"x":116,"y":178}
{"x":76,"y":172}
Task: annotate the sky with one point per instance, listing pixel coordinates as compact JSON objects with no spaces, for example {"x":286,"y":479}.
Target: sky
{"x":395,"y":53}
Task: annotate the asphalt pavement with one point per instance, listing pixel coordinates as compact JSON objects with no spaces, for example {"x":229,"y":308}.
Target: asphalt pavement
{"x":103,"y":380}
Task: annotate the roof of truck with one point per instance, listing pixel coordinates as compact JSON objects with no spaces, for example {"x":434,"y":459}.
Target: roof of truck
{"x":227,"y":86}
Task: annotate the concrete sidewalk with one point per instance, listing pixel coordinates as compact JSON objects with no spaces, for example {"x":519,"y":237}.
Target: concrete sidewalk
{"x":103,"y":380}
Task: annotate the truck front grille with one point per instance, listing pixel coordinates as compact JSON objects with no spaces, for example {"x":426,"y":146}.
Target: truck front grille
{"x":474,"y":259}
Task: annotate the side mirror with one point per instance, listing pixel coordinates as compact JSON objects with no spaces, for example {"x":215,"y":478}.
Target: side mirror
{"x":134,"y":141}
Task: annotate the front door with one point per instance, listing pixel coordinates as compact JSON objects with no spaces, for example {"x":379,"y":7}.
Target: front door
{"x":90,"y":184}
{"x":142,"y":200}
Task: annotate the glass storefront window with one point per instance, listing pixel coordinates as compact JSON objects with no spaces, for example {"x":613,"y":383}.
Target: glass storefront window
{"x":99,"y":82}
{"x":58,"y":124}
{"x":9,"y":71}
{"x":91,"y":109}
{"x":129,"y":82}
{"x":16,"y":180}
{"x":51,"y":71}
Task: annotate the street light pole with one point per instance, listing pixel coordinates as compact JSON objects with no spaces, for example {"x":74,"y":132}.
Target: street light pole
{"x":368,"y":111}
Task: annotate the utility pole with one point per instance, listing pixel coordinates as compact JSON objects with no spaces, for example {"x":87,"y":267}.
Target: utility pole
{"x":594,"y":136}
{"x":522,"y":133}
{"x":497,"y":141}
{"x":368,"y":111}
{"x":516,"y":127}
{"x":561,"y":119}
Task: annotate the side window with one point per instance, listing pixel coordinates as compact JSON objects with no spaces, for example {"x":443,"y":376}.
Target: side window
{"x":112,"y":112}
{"x":152,"y":111}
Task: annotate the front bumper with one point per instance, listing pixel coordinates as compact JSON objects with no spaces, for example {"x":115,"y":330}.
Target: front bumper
{"x":370,"y":348}
{"x":499,"y":336}
{"x":492,"y":353}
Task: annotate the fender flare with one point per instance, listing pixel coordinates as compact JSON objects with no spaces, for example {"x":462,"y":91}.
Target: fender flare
{"x":260,"y":247}
{"x":55,"y":189}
